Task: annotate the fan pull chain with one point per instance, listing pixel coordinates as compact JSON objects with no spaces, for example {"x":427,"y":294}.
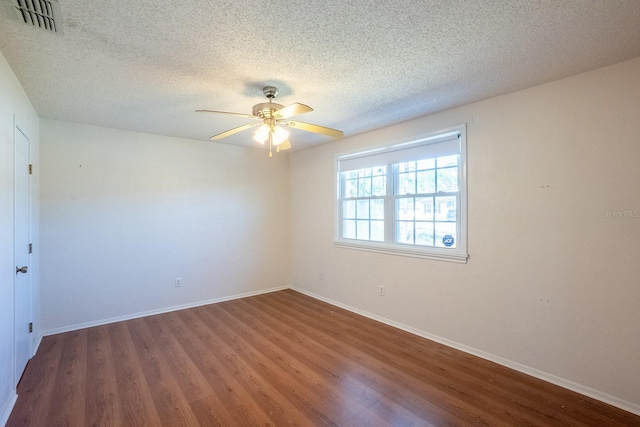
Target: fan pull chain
{"x":270,"y":141}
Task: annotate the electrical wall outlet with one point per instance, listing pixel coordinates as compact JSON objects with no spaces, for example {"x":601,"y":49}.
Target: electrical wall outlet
{"x":381,"y":290}
{"x":321,"y":275}
{"x":178,"y":282}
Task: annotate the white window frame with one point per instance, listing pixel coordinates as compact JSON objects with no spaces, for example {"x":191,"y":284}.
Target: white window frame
{"x":459,"y":253}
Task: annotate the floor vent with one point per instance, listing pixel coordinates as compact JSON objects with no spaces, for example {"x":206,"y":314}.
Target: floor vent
{"x":44,"y":14}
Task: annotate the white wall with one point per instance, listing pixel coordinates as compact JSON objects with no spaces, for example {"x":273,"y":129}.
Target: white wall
{"x":123,"y":214}
{"x":552,"y":285}
{"x":13,"y":103}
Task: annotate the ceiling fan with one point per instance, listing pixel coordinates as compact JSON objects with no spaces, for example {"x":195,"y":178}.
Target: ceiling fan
{"x":273,"y":117}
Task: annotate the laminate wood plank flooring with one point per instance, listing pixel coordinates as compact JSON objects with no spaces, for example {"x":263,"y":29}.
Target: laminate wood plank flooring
{"x":281,"y":359}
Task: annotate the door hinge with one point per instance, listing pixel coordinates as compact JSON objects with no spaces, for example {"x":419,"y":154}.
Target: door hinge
{"x":30,"y":169}
{"x":30,"y":248}
{"x":30,"y":327}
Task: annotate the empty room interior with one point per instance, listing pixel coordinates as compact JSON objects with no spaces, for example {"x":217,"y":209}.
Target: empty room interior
{"x":320,"y":213}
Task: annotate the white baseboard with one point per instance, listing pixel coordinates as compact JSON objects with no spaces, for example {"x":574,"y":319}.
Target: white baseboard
{"x":101,"y":322}
{"x":7,"y":407}
{"x":570,"y":385}
{"x":36,"y":344}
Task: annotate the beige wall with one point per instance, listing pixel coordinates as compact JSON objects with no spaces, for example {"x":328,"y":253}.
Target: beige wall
{"x":552,"y":285}
{"x":124,"y":214}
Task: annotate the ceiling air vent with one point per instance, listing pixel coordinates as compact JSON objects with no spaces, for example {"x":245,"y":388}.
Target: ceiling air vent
{"x":44,"y":14}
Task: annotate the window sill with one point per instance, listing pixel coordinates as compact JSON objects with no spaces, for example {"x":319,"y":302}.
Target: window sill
{"x":449,"y":255}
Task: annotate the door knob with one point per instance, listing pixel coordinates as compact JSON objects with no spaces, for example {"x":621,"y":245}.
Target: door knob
{"x":21,"y":269}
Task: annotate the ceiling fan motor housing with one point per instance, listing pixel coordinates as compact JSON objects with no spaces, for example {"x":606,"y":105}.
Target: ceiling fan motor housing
{"x":265,"y":110}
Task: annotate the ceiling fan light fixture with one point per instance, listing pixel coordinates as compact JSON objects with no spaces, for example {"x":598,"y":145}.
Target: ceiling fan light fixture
{"x":262,"y":134}
{"x":279,"y":135}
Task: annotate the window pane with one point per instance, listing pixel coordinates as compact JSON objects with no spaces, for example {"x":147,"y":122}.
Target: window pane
{"x":362,"y":211}
{"x":378,"y":184}
{"x":351,"y":188}
{"x":426,"y":164}
{"x":407,"y":183}
{"x":427,"y":181}
{"x":351,"y":174}
{"x":448,"y":161}
{"x":445,"y":208}
{"x":377,"y":231}
{"x":364,"y":173}
{"x":424,"y":233}
{"x":424,"y":208}
{"x":404,"y":232}
{"x":404,"y":208}
{"x":364,"y":187}
{"x":446,"y":234}
{"x":406,"y":167}
{"x":377,"y":209}
{"x":349,"y":229}
{"x":379,"y":170}
{"x":452,"y":211}
{"x":362,"y":230}
{"x":349,"y":209}
{"x":448,"y":179}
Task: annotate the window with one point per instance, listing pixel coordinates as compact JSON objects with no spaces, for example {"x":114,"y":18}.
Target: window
{"x":363,"y":207}
{"x":408,"y":198}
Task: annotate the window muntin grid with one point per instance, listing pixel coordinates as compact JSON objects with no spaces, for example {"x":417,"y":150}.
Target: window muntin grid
{"x":426,"y":202}
{"x":363,"y":203}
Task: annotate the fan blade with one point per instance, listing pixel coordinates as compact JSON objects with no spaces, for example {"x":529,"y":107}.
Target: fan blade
{"x":285,"y":145}
{"x":291,"y":110}
{"x":232,"y":131}
{"x":334,"y":133}
{"x":248,"y":116}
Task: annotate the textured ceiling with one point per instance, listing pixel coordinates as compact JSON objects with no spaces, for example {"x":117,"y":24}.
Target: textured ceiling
{"x":146,"y":65}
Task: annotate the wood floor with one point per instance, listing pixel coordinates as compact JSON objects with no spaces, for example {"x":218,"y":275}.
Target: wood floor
{"x":280,"y":359}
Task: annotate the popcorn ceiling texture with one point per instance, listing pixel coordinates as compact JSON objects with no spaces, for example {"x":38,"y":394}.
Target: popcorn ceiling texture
{"x":147,"y":65}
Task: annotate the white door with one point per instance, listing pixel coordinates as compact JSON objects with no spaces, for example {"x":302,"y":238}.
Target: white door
{"x":21,"y":251}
